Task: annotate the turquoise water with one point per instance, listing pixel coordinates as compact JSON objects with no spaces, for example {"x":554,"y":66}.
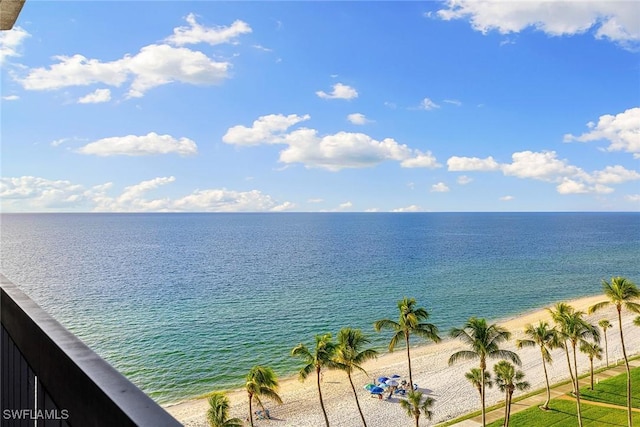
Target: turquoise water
{"x":186,"y":303}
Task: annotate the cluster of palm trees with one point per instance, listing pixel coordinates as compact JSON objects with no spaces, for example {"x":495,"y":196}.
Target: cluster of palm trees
{"x":570,"y":332}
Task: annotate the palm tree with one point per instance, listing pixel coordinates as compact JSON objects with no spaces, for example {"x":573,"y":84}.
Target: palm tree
{"x":621,"y":293}
{"x":636,"y":321}
{"x":604,"y":325}
{"x":542,"y":336}
{"x":560,"y":310}
{"x":412,"y":320}
{"x":508,"y":380}
{"x":592,"y":350}
{"x":218,"y":412}
{"x":321,"y":357}
{"x":261,"y":382}
{"x":577,"y":330}
{"x":350,"y":355}
{"x":414,"y":405}
{"x":475,"y":378}
{"x":484,"y":341}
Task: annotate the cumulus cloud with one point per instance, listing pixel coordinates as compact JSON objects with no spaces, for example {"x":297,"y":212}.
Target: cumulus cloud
{"x":11,"y":97}
{"x":453,"y":102}
{"x":634,"y":198}
{"x":332,"y":152}
{"x":358,"y":119}
{"x":464,"y":180}
{"x":195,"y":33}
{"x":142,"y":145}
{"x":440,"y":187}
{"x":411,"y":208}
{"x":340,"y":91}
{"x":621,"y":130}
{"x":95,"y":97}
{"x":268,"y":129}
{"x":618,"y":21}
{"x":154,"y":65}
{"x":10,"y":42}
{"x":428,"y":104}
{"x":544,"y":166}
{"x":30,"y":193}
{"x":463,"y":164}
{"x":506,"y":198}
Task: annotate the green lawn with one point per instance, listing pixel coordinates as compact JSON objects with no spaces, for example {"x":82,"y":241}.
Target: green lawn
{"x":562,"y":413}
{"x":614,"y":390}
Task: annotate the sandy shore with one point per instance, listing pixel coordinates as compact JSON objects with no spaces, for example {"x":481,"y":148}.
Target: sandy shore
{"x":453,"y":394}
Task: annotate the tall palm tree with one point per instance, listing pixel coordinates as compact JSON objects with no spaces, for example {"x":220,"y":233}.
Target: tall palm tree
{"x":414,"y":405}
{"x":218,"y":412}
{"x":542,"y":336}
{"x":475,"y":378}
{"x":484,"y":341}
{"x":412,"y":320}
{"x":621,"y":293}
{"x":577,"y":330}
{"x":592,"y":350}
{"x":350,"y":356}
{"x":322,"y":357}
{"x":558,"y":311}
{"x":604,"y":325}
{"x":508,"y":380}
{"x":261,"y":382}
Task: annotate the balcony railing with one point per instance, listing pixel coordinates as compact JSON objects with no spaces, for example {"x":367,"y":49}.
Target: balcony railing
{"x":48,"y":377}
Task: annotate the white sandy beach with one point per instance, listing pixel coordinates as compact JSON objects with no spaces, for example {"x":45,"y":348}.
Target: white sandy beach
{"x":453,"y":394}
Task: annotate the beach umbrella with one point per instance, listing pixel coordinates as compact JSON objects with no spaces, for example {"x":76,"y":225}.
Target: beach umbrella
{"x":392,"y":383}
{"x":382,"y":379}
{"x":377,"y":390}
{"x":395,"y":376}
{"x":369,"y":386}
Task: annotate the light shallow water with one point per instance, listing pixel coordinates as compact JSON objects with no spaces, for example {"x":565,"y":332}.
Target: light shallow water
{"x":186,"y":303}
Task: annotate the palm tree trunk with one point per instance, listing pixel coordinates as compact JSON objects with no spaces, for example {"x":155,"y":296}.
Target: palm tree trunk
{"x":626,"y":364}
{"x":251,"y":409}
{"x":546,"y":378}
{"x":576,"y":385}
{"x":417,"y":419}
{"x":606,"y":347}
{"x":406,"y":339}
{"x":506,"y":408}
{"x":508,"y":417}
{"x":483,"y":367}
{"x":324,"y":411}
{"x":573,"y":381}
{"x":356,"y":396}
{"x":591,"y":366}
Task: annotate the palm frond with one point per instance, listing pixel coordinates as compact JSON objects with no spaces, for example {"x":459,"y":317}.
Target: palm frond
{"x":463,"y":355}
{"x":598,"y":306}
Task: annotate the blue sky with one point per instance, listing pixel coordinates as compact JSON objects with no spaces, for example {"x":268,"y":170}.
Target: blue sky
{"x":321,"y":106}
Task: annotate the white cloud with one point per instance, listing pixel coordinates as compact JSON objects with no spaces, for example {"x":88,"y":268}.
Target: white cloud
{"x":420,"y":160}
{"x":618,"y":21}
{"x":95,"y":97}
{"x":10,"y":42}
{"x":411,"y":208}
{"x":621,"y":130}
{"x":196,"y":33}
{"x":428,"y":104}
{"x":143,"y":145}
{"x":345,"y":205}
{"x":542,"y":166}
{"x":464,"y":180}
{"x":615,"y":175}
{"x":453,"y":102}
{"x":265,"y":130}
{"x":572,"y":186}
{"x":358,"y":119}
{"x":506,"y":198}
{"x":440,"y":187}
{"x":340,"y":91}
{"x":30,"y":193}
{"x":635,"y":198}
{"x":332,"y":152}
{"x":11,"y":97}
{"x":315,"y":200}
{"x":154,"y":65}
{"x":462,"y":164}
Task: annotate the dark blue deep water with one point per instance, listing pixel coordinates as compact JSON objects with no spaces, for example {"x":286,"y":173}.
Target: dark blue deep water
{"x":186,"y":303}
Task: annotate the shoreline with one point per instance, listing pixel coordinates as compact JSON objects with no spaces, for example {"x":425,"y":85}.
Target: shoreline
{"x":446,"y":384}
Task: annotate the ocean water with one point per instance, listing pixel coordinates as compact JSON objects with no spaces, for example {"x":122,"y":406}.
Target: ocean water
{"x":183,"y":304}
